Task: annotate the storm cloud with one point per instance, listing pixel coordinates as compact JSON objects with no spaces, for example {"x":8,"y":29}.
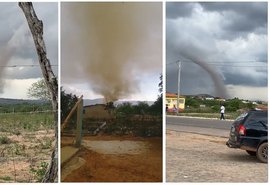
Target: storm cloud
{"x":230,"y":38}
{"x":16,"y":42}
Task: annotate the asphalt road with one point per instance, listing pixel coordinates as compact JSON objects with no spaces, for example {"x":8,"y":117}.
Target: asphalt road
{"x":213,"y":127}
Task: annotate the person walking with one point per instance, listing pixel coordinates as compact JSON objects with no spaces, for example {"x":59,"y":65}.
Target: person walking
{"x":222,"y":112}
{"x":174,"y":109}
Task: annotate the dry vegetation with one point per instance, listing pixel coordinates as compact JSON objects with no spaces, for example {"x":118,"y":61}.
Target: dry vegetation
{"x":26,"y":141}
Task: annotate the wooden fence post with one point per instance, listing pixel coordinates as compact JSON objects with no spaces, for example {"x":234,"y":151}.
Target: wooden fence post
{"x":79,"y":124}
{"x":36,"y":28}
{"x":64,"y":124}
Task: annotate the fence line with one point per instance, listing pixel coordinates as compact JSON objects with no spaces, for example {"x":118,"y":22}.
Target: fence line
{"x":32,"y":112}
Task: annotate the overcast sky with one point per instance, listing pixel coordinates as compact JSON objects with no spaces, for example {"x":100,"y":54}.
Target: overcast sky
{"x":227,"y":38}
{"x":17,"y":47}
{"x":111,"y":50}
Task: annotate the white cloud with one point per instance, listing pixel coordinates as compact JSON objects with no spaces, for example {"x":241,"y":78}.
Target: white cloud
{"x":148,"y":89}
{"x":17,"y":88}
{"x":17,"y":42}
{"x":248,"y":92}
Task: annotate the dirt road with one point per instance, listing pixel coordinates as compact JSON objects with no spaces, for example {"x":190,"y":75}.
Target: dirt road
{"x":200,"y":158}
{"x":115,"y":159}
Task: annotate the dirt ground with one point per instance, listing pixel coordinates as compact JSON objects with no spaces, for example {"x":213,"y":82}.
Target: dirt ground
{"x":201,"y":158}
{"x":23,"y":152}
{"x":114,"y":159}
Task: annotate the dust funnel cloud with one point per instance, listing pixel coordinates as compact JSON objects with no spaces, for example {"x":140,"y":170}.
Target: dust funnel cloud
{"x":219,"y":86}
{"x":6,"y":54}
{"x":112,"y":44}
{"x":198,"y":54}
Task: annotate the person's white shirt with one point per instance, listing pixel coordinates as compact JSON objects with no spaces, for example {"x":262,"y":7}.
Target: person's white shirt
{"x":222,"y":109}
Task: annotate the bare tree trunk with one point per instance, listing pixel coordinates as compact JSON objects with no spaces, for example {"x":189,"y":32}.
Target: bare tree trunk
{"x":36,"y":27}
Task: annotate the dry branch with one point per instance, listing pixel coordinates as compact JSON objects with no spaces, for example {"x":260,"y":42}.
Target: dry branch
{"x":36,"y":28}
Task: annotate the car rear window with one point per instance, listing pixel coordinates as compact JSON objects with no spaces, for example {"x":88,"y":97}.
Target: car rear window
{"x":258,"y":117}
{"x":242,"y":116}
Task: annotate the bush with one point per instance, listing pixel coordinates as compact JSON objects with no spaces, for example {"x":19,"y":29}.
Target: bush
{"x":4,"y":140}
{"x":39,"y":171}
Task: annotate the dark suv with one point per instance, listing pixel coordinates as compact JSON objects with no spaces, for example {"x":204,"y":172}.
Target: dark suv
{"x":250,"y":132}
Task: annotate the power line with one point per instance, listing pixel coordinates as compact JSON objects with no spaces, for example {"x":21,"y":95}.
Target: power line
{"x":224,"y":61}
{"x":228,"y":64}
{"x":236,"y":66}
{"x":24,"y":65}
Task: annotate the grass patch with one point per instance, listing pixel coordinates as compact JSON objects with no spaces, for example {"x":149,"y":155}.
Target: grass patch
{"x":5,"y":178}
{"x":39,"y":171}
{"x":4,"y":140}
{"x":230,"y":115}
{"x":45,"y":143}
{"x":19,"y":122}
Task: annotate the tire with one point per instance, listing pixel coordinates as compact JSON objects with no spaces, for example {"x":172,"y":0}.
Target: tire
{"x":252,"y":153}
{"x":262,"y":152}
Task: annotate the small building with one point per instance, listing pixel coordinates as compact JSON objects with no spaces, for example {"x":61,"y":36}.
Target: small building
{"x":97,"y":112}
{"x":171,"y":102}
{"x":202,"y":106}
{"x":262,"y":107}
{"x":220,"y":99}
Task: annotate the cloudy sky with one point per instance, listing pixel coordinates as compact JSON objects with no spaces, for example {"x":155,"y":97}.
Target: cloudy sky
{"x":111,"y":50}
{"x":17,"y":47}
{"x":222,"y":46}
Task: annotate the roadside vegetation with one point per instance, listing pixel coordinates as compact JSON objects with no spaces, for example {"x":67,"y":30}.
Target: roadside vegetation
{"x":196,"y":107}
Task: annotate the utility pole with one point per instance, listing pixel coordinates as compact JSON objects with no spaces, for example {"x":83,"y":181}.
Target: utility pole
{"x":178,"y":85}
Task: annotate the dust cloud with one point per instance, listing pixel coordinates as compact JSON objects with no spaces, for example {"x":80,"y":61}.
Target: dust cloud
{"x":6,"y":54}
{"x":113,"y":44}
{"x":193,"y":50}
{"x":215,"y":76}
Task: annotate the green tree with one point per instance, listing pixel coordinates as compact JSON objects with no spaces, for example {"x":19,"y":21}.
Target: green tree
{"x":192,"y":102}
{"x":156,"y":108}
{"x":67,"y":103}
{"x":234,"y":104}
{"x":125,"y":109}
{"x":141,"y":108}
{"x":39,"y":90}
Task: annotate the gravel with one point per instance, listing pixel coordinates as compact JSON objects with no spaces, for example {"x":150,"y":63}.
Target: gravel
{"x":200,"y":158}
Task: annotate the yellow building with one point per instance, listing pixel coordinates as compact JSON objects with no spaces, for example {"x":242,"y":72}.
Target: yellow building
{"x":171,"y":102}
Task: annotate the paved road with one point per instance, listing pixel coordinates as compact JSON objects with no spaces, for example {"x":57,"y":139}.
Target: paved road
{"x":212,"y":127}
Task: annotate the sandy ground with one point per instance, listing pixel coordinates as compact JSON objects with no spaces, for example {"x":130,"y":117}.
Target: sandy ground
{"x":200,"y":158}
{"x":115,"y":159}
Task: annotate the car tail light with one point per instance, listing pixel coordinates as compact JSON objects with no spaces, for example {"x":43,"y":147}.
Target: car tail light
{"x":242,"y":130}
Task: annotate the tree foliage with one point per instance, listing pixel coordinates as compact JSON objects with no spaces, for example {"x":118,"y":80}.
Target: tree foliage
{"x":39,"y":90}
{"x":68,"y":100}
{"x":142,"y":107}
{"x":231,"y":105}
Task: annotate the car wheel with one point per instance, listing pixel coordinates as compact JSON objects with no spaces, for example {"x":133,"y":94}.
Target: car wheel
{"x":252,"y":153}
{"x":262,"y":152}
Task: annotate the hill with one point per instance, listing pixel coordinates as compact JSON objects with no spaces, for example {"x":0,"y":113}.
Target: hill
{"x":101,"y":101}
{"x":9,"y":101}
